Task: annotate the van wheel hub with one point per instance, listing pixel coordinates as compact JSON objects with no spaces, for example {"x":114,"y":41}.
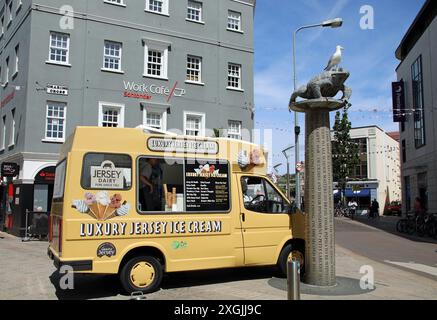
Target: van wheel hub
{"x":142,"y":274}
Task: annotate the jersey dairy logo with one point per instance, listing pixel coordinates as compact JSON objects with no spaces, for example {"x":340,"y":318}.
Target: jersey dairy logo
{"x":106,"y":249}
{"x":106,"y":176}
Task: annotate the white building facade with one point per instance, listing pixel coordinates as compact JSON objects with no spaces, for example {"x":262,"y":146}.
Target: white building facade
{"x":378,"y":174}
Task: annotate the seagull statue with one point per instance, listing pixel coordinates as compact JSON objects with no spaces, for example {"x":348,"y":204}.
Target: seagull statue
{"x":335,"y":59}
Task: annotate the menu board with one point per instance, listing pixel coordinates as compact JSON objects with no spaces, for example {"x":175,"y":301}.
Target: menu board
{"x":206,"y":186}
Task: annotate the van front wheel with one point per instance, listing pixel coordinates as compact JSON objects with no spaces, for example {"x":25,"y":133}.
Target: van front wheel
{"x":291,"y":252}
{"x":141,"y":274}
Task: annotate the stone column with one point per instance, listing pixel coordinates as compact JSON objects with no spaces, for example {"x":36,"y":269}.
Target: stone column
{"x":319,"y":200}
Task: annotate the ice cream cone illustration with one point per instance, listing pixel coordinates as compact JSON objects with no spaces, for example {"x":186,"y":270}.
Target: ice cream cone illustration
{"x":100,"y":207}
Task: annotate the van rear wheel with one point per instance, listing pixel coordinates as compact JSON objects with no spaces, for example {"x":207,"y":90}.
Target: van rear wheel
{"x":291,"y":252}
{"x":141,"y":274}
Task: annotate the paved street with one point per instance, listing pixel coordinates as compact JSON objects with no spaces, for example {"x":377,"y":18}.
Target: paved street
{"x":403,"y":269}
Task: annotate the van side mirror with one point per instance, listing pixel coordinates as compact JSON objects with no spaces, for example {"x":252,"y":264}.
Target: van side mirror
{"x":291,"y":208}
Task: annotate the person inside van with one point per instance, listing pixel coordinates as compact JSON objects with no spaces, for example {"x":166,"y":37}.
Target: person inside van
{"x":246,"y":197}
{"x":148,"y":190}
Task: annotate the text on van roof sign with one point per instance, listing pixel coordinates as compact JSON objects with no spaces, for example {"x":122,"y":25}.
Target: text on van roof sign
{"x":182,"y":146}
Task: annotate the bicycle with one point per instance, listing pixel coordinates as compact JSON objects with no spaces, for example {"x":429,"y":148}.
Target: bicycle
{"x":340,"y":212}
{"x":407,"y":225}
{"x":426,"y":225}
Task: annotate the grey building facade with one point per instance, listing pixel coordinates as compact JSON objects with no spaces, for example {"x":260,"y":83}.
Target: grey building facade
{"x":178,"y":65}
{"x":418,"y":71}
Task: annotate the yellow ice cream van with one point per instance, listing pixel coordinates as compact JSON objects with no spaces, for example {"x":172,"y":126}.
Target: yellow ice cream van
{"x":138,"y":204}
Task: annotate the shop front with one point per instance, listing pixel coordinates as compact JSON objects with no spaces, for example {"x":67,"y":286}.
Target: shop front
{"x":19,"y":197}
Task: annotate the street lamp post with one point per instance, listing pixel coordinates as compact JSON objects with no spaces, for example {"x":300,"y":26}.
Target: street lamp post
{"x":287,"y":156}
{"x":333,"y":23}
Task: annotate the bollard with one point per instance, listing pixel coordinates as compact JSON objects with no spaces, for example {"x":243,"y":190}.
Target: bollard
{"x":293,"y":280}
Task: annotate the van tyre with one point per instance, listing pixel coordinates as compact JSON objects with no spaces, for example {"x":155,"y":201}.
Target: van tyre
{"x":296,"y":251}
{"x":141,"y":274}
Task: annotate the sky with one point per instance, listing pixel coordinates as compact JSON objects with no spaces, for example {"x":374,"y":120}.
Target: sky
{"x":369,"y":56}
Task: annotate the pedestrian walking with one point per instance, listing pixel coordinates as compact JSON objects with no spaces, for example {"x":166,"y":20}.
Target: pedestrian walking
{"x":419,"y":210}
{"x":352,"y":208}
{"x":374,"y":209}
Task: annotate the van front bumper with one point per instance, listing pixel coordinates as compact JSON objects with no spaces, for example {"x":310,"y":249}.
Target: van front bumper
{"x":79,"y":265}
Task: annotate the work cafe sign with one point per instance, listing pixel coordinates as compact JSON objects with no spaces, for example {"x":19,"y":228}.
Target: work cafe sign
{"x":145,"y":91}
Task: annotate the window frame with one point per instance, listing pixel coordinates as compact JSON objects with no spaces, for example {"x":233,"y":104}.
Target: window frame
{"x":181,"y":161}
{"x":67,"y":49}
{"x":240,"y":134}
{"x":240,"y":77}
{"x":152,"y":45}
{"x":106,"y":189}
{"x":64,"y":178}
{"x":56,"y":140}
{"x":3,"y":138}
{"x":201,"y":20}
{"x":165,"y":7}
{"x":119,"y":106}
{"x":199,"y":82}
{"x":272,"y":185}
{"x":202,"y":129}
{"x":239,"y":24}
{"x":418,"y":98}
{"x":13,"y":128}
{"x":17,"y":60}
{"x":115,"y":3}
{"x":120,"y":57}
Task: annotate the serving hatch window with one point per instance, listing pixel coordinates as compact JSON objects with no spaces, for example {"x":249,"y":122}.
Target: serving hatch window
{"x":105,"y":171}
{"x":182,"y":185}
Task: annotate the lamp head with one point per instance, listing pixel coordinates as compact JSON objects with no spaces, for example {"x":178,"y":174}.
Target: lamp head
{"x":333,"y":23}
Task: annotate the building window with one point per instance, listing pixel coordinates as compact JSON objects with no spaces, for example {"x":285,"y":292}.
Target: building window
{"x":116,"y":2}
{"x":194,"y":69}
{"x":418,"y":103}
{"x":10,"y":12}
{"x":194,"y":124}
{"x":17,"y":51}
{"x":154,"y":120}
{"x":234,"y":76}
{"x":12,"y":136}
{"x":112,"y":56}
{"x":404,"y":151}
{"x":55,"y":121}
{"x":155,"y":117}
{"x":3,"y":141}
{"x":360,"y":172}
{"x":234,"y":130}
{"x":155,"y":63}
{"x":157,"y":6}
{"x":156,"y":59}
{"x":194,"y":11}
{"x":234,"y":21}
{"x":407,"y":186}
{"x":3,"y":25}
{"x":6,"y":80}
{"x":59,"y":48}
{"x":111,"y":115}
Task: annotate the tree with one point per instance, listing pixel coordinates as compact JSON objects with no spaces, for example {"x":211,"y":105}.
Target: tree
{"x":345,"y":152}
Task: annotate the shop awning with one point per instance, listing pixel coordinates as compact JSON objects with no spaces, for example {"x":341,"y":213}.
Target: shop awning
{"x":363,"y":193}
